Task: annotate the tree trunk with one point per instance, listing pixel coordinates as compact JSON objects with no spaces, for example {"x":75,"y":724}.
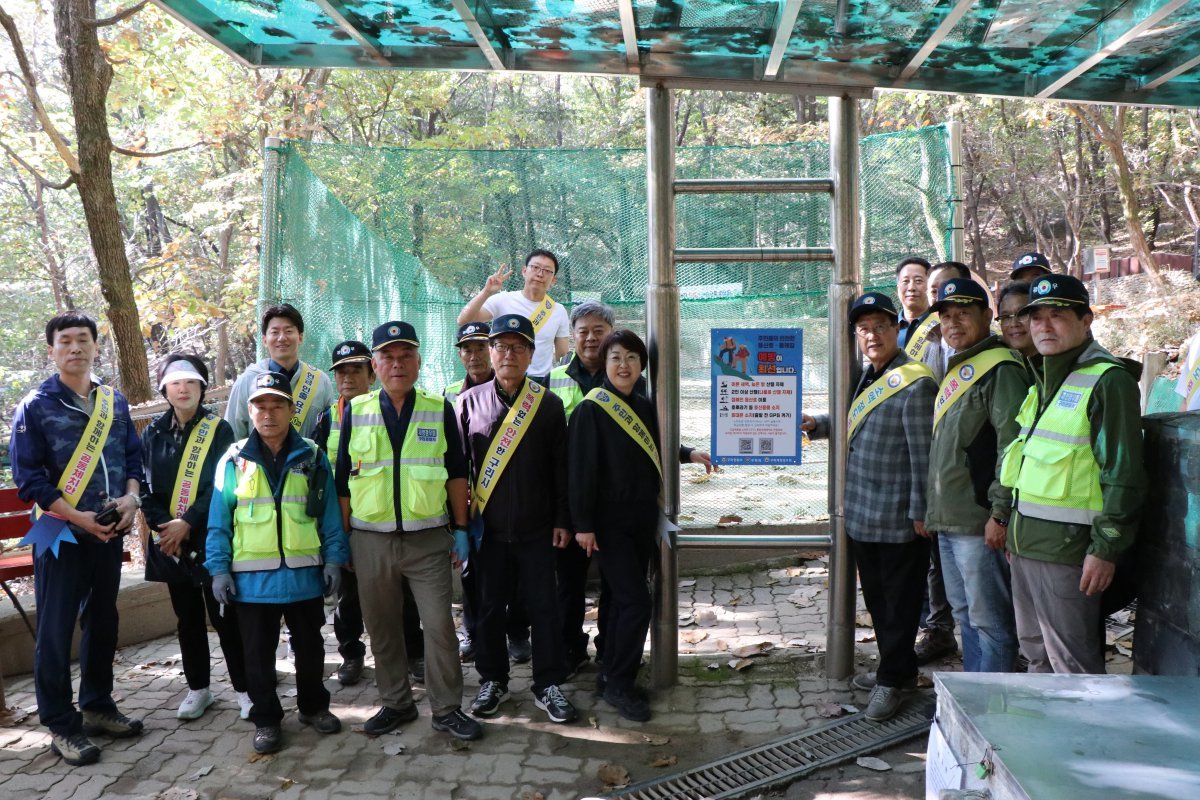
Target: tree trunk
{"x":88,"y":76}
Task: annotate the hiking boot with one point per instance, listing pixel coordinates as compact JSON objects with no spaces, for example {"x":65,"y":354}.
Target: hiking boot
{"x":491,"y":694}
{"x":520,"y":650}
{"x":629,"y":703}
{"x":75,"y":749}
{"x":458,"y":725}
{"x":388,"y":719}
{"x":416,"y":670}
{"x":934,"y":643}
{"x":268,"y":739}
{"x":110,"y":723}
{"x":323,"y":722}
{"x":866,"y":681}
{"x":244,"y":704}
{"x":194,"y":705}
{"x":884,"y":703}
{"x":350,"y":672}
{"x":557,"y":707}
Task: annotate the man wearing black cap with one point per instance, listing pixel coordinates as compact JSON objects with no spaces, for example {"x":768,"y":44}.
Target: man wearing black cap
{"x":515,"y":434}
{"x":472,"y":345}
{"x":1077,"y":478}
{"x":401,"y":477}
{"x":974,"y":420}
{"x":1029,"y":267}
{"x":890,"y":419}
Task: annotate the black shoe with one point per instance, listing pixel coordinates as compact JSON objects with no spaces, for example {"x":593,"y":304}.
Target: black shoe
{"x":322,"y":721}
{"x":110,"y":723}
{"x":458,"y":725}
{"x":601,"y":685}
{"x":520,"y":650}
{"x":350,"y":672}
{"x":575,"y":662}
{"x":416,"y":670}
{"x":387,"y":720}
{"x":75,"y":749}
{"x":491,"y":694}
{"x":629,"y":703}
{"x":934,"y":643}
{"x":466,"y":650}
{"x":268,"y":739}
{"x":557,"y":707}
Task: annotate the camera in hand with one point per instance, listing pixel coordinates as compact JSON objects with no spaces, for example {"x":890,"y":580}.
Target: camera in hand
{"x":108,"y":515}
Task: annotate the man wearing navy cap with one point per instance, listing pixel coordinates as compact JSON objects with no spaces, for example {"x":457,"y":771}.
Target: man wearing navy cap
{"x":1077,"y":478}
{"x":1029,"y":267}
{"x":974,"y":420}
{"x":890,"y":418}
{"x":401,"y":478}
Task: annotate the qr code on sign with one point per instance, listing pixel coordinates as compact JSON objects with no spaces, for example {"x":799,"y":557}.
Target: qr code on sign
{"x":745,"y":447}
{"x":766,"y":446}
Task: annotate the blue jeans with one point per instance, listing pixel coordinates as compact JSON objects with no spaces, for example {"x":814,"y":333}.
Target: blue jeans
{"x":977,"y":585}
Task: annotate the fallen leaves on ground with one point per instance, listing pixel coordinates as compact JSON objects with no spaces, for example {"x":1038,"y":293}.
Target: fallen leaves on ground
{"x":870,"y":762}
{"x":286,"y":784}
{"x":529,"y":794}
{"x":729,"y":519}
{"x":829,"y":710}
{"x":863,"y":620}
{"x":592,"y":614}
{"x":864,"y":635}
{"x":393,"y":748}
{"x":655,"y":739}
{"x":459,"y":744}
{"x":613,"y":776}
{"x":739,"y":664}
{"x":850,"y":708}
{"x":664,"y":761}
{"x":693,"y":637}
{"x":200,"y":773}
{"x":254,"y":758}
{"x":706,"y":618}
{"x":687,"y":584}
{"x":749,"y":650}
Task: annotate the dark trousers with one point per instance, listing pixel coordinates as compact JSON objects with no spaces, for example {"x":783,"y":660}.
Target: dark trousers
{"x":259,"y":624}
{"x":893,"y":579}
{"x":573,"y":564}
{"x":517,"y":625}
{"x":80,"y":584}
{"x":190,"y":603}
{"x":348,"y":621}
{"x":625,"y":607}
{"x":531,"y":566}
{"x":936,"y":612}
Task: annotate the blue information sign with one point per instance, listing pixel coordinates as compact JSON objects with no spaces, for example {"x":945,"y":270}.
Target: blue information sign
{"x":756,"y":395}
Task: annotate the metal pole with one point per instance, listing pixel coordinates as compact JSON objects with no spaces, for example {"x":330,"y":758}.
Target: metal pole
{"x":843,"y":372}
{"x":958,"y":240}
{"x":273,"y":161}
{"x":662,"y":327}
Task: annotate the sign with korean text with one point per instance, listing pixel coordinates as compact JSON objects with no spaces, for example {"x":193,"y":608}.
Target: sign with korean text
{"x":756,"y":395}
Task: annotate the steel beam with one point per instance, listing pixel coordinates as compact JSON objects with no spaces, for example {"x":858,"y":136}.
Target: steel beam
{"x":337,"y":12}
{"x":202,"y":21}
{"x":1169,"y":73}
{"x":629,"y":35}
{"x":479,"y":34}
{"x":662,"y":327}
{"x":958,"y":239}
{"x":843,"y":374}
{"x":788,"y":11}
{"x":728,"y":255}
{"x":753,"y":186}
{"x":961,"y":7}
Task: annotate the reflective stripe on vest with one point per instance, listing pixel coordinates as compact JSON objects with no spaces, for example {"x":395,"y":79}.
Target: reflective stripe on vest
{"x":261,"y":539}
{"x":421,"y":463}
{"x":1051,"y":464}
{"x":563,"y":385}
{"x":335,"y":428}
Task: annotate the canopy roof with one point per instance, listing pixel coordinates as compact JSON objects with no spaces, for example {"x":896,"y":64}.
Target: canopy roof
{"x":1123,"y":51}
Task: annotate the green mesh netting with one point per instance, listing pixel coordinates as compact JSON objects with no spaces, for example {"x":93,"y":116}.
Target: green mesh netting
{"x":359,"y":236}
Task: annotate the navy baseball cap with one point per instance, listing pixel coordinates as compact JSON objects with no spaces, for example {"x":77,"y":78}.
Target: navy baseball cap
{"x":1034,"y":260}
{"x":273,"y":383}
{"x":1058,"y":291}
{"x":870,"y":303}
{"x":960,"y":291}
{"x":512,"y":323}
{"x":473,"y":332}
{"x":394,"y":331}
{"x":350,"y":352}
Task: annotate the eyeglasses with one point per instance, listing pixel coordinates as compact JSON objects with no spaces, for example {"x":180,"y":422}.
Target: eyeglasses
{"x":876,"y":330}
{"x":1010,"y":319}
{"x":515,"y":349}
{"x":540,"y":270}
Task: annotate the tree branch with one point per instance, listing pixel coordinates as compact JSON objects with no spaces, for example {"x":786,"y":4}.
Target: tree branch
{"x":143,"y":154}
{"x":115,"y":18}
{"x":37,"y":176}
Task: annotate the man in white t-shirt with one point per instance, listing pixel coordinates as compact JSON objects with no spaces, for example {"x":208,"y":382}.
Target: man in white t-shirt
{"x":1188,"y":386}
{"x":551,"y":323}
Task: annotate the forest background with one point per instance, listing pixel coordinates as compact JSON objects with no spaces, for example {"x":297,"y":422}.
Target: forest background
{"x":169,"y":256}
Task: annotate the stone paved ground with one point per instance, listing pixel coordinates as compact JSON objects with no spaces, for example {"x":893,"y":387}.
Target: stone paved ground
{"x":713,"y":711}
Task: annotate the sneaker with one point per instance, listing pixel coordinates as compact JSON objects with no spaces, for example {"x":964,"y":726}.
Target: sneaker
{"x":323,"y":722}
{"x":75,"y":749}
{"x":268,"y":739}
{"x":350,"y":672}
{"x":194,"y":704}
{"x":416,"y":670}
{"x":491,"y":694}
{"x":629,"y":703}
{"x":458,"y":725}
{"x":576,"y":662}
{"x":934,"y":643}
{"x":520,"y":650}
{"x":388,"y":719}
{"x":110,"y":723}
{"x":884,"y":703}
{"x":245,"y":704}
{"x":557,"y":707}
{"x":466,"y":650}
{"x":866,"y":681}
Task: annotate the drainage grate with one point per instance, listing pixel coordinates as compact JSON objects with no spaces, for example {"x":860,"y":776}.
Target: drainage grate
{"x":785,"y":760}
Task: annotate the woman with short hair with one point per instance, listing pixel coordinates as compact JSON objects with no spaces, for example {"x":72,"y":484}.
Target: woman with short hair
{"x":1014,"y":329}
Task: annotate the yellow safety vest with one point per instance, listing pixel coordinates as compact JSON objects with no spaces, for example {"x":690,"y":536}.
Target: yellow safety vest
{"x":266,"y":538}
{"x":421,"y":463}
{"x":452,"y":391}
{"x":563,"y":385}
{"x":335,"y":428}
{"x":1051,"y":464}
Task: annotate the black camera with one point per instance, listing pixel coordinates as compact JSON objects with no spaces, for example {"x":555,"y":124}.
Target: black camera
{"x":108,"y":515}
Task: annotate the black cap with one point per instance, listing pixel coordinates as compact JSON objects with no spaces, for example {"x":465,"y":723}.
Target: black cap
{"x":394,"y":331}
{"x":1059,"y":291}
{"x":351,"y":352}
{"x":512,"y":323}
{"x":473,"y":332}
{"x":870,"y":303}
{"x":960,"y":291}
{"x":1034,"y":260}
{"x":275,"y":383}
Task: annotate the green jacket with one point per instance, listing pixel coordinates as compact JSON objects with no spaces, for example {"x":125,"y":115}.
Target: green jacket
{"x":1115,"y":416}
{"x":968,"y":443}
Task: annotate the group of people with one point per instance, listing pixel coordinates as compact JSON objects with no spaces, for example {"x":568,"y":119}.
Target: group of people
{"x":992,"y":480}
{"x":518,"y":476}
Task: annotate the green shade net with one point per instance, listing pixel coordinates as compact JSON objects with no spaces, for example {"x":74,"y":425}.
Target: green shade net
{"x":358,"y":236}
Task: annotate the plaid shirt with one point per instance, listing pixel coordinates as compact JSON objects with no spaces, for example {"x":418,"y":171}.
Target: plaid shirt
{"x":887,"y":467}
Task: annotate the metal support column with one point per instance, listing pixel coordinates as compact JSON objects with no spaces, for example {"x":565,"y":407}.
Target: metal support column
{"x":843,"y":374}
{"x":274,"y":155}
{"x":958,"y":240}
{"x":662,"y":326}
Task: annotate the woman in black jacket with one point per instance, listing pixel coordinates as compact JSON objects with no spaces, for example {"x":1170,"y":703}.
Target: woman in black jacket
{"x":614,"y":478}
{"x":181,"y":450}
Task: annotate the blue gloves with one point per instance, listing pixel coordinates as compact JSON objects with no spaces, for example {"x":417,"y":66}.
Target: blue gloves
{"x":461,"y":547}
{"x":333,"y":580}
{"x":223,"y":589}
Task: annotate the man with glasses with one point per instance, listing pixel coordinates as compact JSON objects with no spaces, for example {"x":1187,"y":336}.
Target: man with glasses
{"x":890,"y":422}
{"x":549,"y":319}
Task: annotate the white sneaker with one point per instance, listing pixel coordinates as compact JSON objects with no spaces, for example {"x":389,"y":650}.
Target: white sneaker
{"x":194,"y":704}
{"x":246,"y":704}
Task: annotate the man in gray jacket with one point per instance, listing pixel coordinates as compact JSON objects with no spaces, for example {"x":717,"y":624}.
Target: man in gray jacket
{"x":889,"y":429}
